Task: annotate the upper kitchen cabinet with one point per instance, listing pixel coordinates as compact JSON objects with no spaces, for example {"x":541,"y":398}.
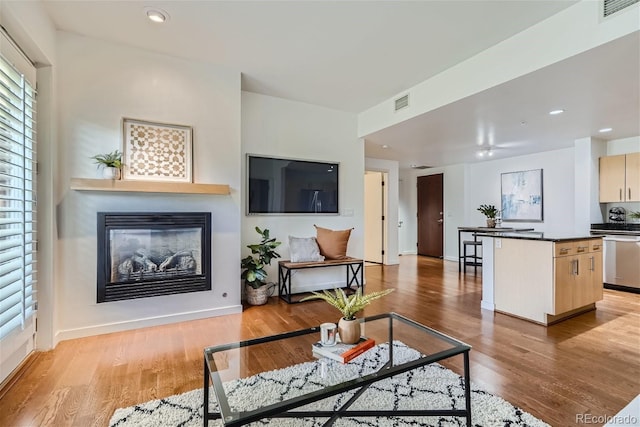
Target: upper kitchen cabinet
{"x":620,"y":178}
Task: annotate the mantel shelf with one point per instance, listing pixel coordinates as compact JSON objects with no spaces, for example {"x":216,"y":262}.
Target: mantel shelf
{"x":84,"y":184}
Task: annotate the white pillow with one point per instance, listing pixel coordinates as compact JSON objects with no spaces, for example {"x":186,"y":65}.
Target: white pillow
{"x":304,"y":249}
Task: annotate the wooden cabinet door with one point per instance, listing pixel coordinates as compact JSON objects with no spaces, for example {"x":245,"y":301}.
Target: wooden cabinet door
{"x":564,"y":286}
{"x":578,"y":276}
{"x":596,"y":276}
{"x":588,"y":280}
{"x":612,"y":179}
{"x":632,"y":181}
{"x":596,"y":264}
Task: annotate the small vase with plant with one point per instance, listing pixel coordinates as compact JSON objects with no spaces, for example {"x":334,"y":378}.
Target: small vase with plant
{"x":634,"y":215}
{"x":490,"y":211}
{"x":348,"y":326}
{"x":254,"y":274}
{"x":110,"y":164}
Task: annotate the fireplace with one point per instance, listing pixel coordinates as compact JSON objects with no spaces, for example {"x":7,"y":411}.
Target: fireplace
{"x":150,"y":254}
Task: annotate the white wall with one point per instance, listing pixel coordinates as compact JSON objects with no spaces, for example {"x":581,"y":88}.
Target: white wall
{"x":100,"y":83}
{"x":279,"y":127}
{"x":570,"y":191}
{"x":468,"y":186}
{"x":483,"y":183}
{"x":623,"y":146}
{"x":453,"y":188}
{"x":587,"y":198}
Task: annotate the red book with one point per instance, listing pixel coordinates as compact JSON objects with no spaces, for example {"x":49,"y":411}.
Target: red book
{"x":358,"y":350}
{"x":343,"y":352}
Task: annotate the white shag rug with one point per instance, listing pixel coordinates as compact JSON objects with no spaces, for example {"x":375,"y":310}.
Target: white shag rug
{"x":429,"y":387}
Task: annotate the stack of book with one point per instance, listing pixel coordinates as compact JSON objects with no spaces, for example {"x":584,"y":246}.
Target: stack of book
{"x":342,"y":352}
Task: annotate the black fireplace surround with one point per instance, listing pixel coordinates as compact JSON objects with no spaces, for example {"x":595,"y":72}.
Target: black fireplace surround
{"x":150,"y":254}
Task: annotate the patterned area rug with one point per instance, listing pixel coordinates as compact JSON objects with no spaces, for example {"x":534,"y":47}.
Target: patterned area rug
{"x":430,"y":387}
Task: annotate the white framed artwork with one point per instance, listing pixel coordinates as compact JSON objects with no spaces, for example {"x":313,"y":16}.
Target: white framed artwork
{"x":521,"y":196}
{"x":156,"y":151}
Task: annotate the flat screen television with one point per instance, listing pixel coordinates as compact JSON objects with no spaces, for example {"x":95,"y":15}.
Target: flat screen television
{"x":289,"y":186}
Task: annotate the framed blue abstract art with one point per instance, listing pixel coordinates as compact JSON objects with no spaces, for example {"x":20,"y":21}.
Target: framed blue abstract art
{"x":521,"y":196}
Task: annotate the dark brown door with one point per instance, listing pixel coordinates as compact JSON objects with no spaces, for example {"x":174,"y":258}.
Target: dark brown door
{"x":430,"y":215}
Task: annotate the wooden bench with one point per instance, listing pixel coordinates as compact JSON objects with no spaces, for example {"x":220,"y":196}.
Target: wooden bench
{"x":355,"y":274}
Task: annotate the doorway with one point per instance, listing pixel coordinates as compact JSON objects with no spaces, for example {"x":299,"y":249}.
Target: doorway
{"x":374,"y":216}
{"x":430,"y":215}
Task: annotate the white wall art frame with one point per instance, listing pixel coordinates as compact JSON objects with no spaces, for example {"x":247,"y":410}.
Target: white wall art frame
{"x":521,"y":196}
{"x":156,"y":151}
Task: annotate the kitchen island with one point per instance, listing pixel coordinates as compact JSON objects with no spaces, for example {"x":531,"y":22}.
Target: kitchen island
{"x":541,"y":277}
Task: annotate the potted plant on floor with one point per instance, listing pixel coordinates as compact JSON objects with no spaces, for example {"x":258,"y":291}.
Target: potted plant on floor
{"x":348,"y":326}
{"x":490,"y":212}
{"x":255,"y":277}
{"x":110,"y":164}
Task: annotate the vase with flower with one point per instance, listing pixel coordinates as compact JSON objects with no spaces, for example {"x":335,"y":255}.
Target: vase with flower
{"x":348,"y":305}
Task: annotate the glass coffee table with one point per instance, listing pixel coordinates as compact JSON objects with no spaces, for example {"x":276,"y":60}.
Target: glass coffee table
{"x":279,"y":376}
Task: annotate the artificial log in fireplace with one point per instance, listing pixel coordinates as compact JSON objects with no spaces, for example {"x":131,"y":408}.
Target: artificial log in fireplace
{"x":150,"y":254}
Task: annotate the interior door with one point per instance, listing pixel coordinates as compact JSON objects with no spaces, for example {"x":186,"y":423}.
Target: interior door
{"x":373,"y":217}
{"x":430,"y":215}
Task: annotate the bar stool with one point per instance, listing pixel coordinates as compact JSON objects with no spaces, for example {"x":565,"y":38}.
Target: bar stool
{"x":474,"y":258}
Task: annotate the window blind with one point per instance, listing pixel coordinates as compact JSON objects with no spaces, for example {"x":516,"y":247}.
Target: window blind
{"x":17,"y":199}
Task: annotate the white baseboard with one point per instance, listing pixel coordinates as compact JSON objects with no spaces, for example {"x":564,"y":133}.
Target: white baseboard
{"x":487,"y":306}
{"x":106,"y":328}
{"x":446,"y":258}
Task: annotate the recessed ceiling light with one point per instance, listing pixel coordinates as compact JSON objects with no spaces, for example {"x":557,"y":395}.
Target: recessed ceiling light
{"x":556,"y":112}
{"x":157,"y":15}
{"x":385,"y":146}
{"x":604,"y":130}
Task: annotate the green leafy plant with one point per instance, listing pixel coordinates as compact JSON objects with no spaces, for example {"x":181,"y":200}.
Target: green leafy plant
{"x":262,"y":253}
{"x":109,"y":160}
{"x":489,"y":211}
{"x":348,"y":305}
{"x":634,"y":215}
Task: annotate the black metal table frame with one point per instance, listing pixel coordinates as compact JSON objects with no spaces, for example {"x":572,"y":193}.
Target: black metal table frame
{"x":284,"y":410}
{"x":355,"y":274}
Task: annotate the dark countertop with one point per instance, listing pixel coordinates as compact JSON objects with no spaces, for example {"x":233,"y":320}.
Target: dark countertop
{"x":624,"y":228}
{"x":493,"y":229}
{"x":534,"y":235}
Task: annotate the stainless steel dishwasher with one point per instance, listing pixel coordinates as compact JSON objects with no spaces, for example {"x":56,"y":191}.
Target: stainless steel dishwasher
{"x":622,"y":260}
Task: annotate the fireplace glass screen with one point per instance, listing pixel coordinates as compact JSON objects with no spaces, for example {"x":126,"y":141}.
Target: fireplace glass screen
{"x":151,"y":254}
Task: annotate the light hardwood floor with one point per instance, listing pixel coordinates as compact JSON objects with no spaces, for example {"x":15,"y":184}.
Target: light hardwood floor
{"x":586,"y":365}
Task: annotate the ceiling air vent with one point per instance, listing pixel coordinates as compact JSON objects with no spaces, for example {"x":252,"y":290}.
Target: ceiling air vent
{"x":421,"y":167}
{"x":613,"y":6}
{"x":402,"y":102}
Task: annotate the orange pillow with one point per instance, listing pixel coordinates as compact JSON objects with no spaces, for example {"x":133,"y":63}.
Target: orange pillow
{"x":332,"y":243}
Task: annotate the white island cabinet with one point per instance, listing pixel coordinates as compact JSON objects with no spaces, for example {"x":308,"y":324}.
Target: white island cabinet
{"x":542,"y":279}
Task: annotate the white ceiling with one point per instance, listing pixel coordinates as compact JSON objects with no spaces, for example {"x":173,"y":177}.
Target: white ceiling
{"x":352,"y":55}
{"x":597,"y":89}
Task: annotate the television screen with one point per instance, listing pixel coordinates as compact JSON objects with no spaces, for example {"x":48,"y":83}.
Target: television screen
{"x":291,"y":186}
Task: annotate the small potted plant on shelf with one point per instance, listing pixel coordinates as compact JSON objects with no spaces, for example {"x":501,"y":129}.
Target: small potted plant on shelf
{"x":634,"y":215}
{"x":348,"y":326}
{"x":110,"y":164}
{"x":255,"y":277}
{"x":490,"y":211}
